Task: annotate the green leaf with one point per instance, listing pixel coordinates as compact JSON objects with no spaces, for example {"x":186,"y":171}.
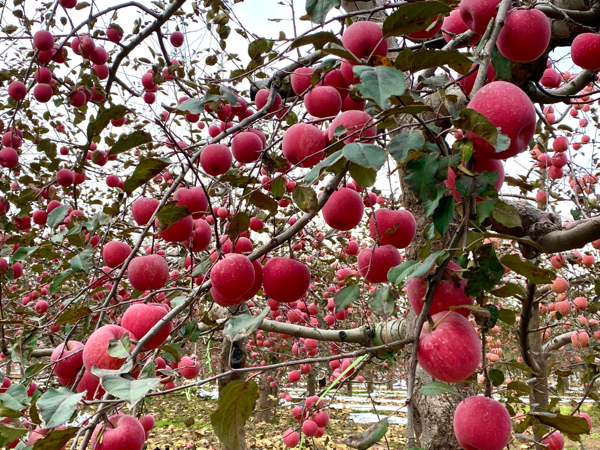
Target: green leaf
{"x":235,"y":405}
{"x":130,"y":390}
{"x":129,"y":141}
{"x":229,"y":96}
{"x":421,"y":175}
{"x":239,"y":224}
{"x":346,"y":296}
{"x":104,"y":117}
{"x":170,"y":214}
{"x":380,"y":83}
{"x":401,"y":145}
{"x":488,"y":272}
{"x":496,"y":377}
{"x":59,"y":279}
{"x":364,"y":176}
{"x":369,"y":437}
{"x":55,"y":439}
{"x":317,"y":9}
{"x":485,"y":209}
{"x":15,"y":397}
{"x":501,"y":66}
{"x":519,"y":386}
{"x":509,"y":290}
{"x":82,"y":261}
{"x":56,"y":406}
{"x":119,"y":348}
{"x":319,"y":40}
{"x":398,"y":274}
{"x":478,"y":124}
{"x":144,"y":172}
{"x":506,"y":214}
{"x":196,"y":106}
{"x":365,"y":155}
{"x":315,"y":172}
{"x":8,"y":412}
{"x":305,"y":198}
{"x":244,"y":324}
{"x":338,"y":50}
{"x":567,"y":424}
{"x":413,"y":17}
{"x":383,"y":302}
{"x":22,"y":253}
{"x":507,"y":316}
{"x":57,"y":215}
{"x":258,"y":47}
{"x":263,"y":201}
{"x":11,"y":430}
{"x":535,"y":274}
{"x":436,"y":388}
{"x":517,"y":365}
{"x":442,"y":216}
{"x":278,"y":187}
{"x":412,"y":61}
{"x":73,"y":315}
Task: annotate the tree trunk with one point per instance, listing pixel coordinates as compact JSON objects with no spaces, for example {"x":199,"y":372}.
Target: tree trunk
{"x":230,"y":359}
{"x":349,"y":388}
{"x":311,"y":387}
{"x":369,"y":387}
{"x":265,"y":409}
{"x":538,"y":399}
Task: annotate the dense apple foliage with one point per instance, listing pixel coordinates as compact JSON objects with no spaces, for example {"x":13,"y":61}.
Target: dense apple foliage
{"x":408,"y":196}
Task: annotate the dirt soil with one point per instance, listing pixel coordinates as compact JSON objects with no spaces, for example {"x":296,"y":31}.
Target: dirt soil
{"x":185,"y":424}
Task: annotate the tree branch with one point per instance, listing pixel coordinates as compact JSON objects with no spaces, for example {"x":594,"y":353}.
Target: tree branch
{"x":489,"y":46}
{"x":562,"y":93}
{"x":166,"y":15}
{"x":556,"y":343}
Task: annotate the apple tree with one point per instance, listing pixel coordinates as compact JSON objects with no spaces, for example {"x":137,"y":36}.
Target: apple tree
{"x":396,"y":188}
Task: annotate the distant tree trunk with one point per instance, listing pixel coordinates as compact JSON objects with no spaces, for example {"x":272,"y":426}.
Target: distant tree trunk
{"x":349,"y":388}
{"x":311,"y":386}
{"x":265,"y":409}
{"x":232,"y":355}
{"x":390,"y":384}
{"x":370,"y":387}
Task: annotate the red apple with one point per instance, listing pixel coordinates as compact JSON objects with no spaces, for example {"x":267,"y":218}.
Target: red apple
{"x":365,"y":39}
{"x":194,"y":198}
{"x":585,"y":51}
{"x":395,"y":227}
{"x":323,"y":101}
{"x":120,"y":432}
{"x":115,"y":253}
{"x":508,"y":108}
{"x":142,"y":209}
{"x":95,"y":351}
{"x":358,"y":125}
{"x":554,"y":441}
{"x":285,"y":280}
{"x":482,"y":423}
{"x":476,"y":14}
{"x":69,"y":357}
{"x":215,"y":159}
{"x":303,"y":145}
{"x":343,"y":209}
{"x":141,"y":317}
{"x":374,"y":265}
{"x":232,"y":276}
{"x":451,"y":351}
{"x":524,"y":25}
{"x":148,"y":272}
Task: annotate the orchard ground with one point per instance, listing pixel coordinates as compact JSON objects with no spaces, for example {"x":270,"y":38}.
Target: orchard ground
{"x":175,"y":428}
